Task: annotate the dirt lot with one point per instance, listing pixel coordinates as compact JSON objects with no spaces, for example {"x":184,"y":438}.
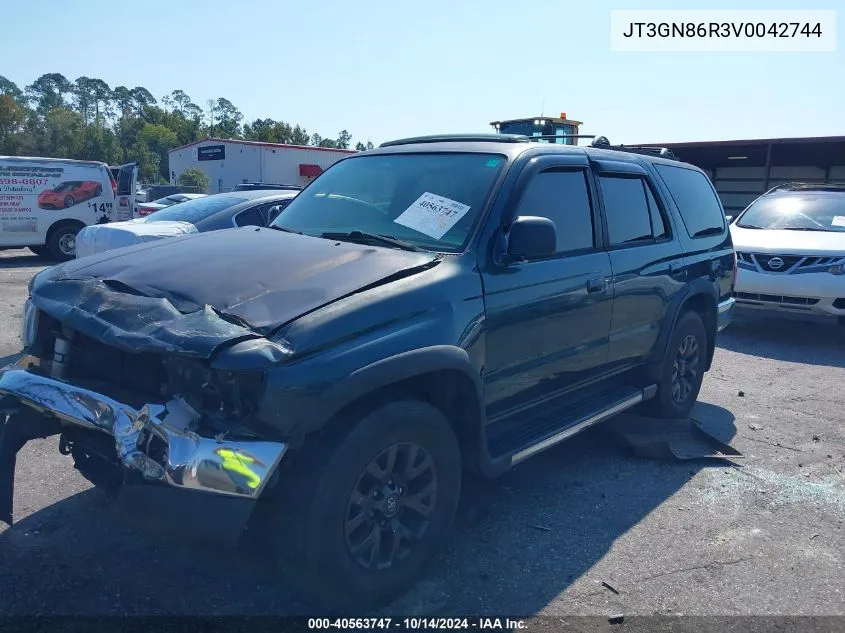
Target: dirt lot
{"x":669,"y":537}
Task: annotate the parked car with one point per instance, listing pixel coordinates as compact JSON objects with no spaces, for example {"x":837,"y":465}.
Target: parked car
{"x":435,"y":305}
{"x":46,"y":201}
{"x":157,"y":205}
{"x":197,"y":215}
{"x":790,"y":245}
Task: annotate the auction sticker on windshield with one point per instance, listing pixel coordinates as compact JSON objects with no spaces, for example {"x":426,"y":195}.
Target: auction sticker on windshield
{"x":838,"y":220}
{"x":432,"y":215}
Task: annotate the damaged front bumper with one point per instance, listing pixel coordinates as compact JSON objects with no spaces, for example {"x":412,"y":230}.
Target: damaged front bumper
{"x":153,"y":444}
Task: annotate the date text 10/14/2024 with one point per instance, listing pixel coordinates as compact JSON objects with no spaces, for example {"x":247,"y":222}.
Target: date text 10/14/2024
{"x":418,"y":623}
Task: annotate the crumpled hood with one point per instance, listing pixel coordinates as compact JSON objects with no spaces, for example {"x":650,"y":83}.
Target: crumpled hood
{"x":98,"y":238}
{"x":190,"y":294}
{"x":780,"y":242}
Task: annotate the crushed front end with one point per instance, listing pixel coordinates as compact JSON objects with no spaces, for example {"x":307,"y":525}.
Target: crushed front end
{"x":154,"y":421}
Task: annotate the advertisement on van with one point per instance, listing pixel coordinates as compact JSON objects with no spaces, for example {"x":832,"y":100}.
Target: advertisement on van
{"x":39,"y":195}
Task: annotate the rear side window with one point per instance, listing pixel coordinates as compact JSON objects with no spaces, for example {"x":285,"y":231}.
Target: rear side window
{"x":256,"y":216}
{"x":563,"y":198}
{"x":627,"y":210}
{"x":698,"y":204}
{"x":196,"y":210}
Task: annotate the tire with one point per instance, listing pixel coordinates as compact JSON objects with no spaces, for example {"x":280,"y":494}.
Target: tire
{"x":683,"y":369}
{"x":61,"y":242}
{"x":69,"y":202}
{"x":334,"y":506}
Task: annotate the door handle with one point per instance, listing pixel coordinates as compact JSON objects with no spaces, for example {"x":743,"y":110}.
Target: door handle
{"x":598,"y":284}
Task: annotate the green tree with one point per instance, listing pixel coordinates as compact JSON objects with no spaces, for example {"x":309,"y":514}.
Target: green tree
{"x":299,"y":136}
{"x":228,"y":118}
{"x":82,"y":94}
{"x":159,"y":139}
{"x":194,"y":177}
{"x":63,"y":133}
{"x":360,"y":147}
{"x":48,"y":92}
{"x":8,"y":87}
{"x":123,"y":100}
{"x":12,"y":119}
{"x":343,"y":140}
{"x":142,"y":98}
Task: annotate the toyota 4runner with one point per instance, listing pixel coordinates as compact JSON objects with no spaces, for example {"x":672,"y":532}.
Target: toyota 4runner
{"x":436,"y":305}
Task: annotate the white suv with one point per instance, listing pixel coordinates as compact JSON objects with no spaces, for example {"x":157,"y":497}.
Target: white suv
{"x":790,"y":245}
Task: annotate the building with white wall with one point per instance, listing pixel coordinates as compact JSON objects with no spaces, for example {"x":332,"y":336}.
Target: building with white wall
{"x":229,"y":162}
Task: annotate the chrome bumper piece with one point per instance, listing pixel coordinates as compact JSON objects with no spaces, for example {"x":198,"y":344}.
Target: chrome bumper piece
{"x":154,"y":440}
{"x":725,"y":313}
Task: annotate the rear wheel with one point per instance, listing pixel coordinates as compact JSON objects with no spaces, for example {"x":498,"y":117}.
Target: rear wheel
{"x":61,"y":242}
{"x":683,"y":369}
{"x":69,"y":202}
{"x":364,"y":517}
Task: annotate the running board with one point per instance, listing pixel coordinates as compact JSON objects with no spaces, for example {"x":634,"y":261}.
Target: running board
{"x":624,"y":400}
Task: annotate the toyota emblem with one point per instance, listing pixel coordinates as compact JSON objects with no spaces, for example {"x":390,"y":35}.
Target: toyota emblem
{"x":775,"y":263}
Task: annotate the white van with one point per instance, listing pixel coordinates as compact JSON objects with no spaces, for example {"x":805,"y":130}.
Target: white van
{"x":44,"y":202}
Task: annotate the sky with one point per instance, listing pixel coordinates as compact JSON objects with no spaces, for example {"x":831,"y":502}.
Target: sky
{"x":389,"y":69}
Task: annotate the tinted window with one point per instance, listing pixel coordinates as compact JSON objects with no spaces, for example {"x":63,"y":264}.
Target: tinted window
{"x":255,"y":216}
{"x":626,"y":209}
{"x":700,"y":208}
{"x":563,"y":198}
{"x":658,"y":222}
{"x":797,"y":211}
{"x":194,"y":211}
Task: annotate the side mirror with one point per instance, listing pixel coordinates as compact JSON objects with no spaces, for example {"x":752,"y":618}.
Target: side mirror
{"x":531,"y":237}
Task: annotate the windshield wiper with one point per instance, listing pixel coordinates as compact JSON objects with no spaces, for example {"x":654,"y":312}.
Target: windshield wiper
{"x":800,"y":228}
{"x":279,"y":228}
{"x":713,"y":230}
{"x":360,"y":236}
{"x":750,"y":226}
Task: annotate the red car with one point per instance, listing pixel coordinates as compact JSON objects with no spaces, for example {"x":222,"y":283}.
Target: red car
{"x":68,"y":193}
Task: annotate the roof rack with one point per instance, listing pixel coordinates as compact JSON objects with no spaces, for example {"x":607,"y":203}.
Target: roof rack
{"x":601,"y":142}
{"x":459,"y":138}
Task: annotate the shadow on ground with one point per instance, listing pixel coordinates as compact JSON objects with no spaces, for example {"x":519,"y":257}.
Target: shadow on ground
{"x":518,"y":542}
{"x":25,"y":260}
{"x":799,"y":339}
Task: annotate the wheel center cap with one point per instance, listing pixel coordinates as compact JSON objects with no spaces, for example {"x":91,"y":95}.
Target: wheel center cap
{"x":391,"y":505}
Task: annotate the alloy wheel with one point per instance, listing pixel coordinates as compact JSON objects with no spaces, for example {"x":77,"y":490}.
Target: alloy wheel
{"x":685,"y":369}
{"x":390,"y":506}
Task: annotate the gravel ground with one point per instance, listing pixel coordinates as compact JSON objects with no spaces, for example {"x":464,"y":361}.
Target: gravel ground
{"x":693,"y":538}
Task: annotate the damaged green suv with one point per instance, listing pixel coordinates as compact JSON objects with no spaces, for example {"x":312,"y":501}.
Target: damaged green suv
{"x":437,"y":305}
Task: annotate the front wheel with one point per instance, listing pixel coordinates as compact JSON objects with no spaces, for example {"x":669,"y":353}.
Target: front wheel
{"x":683,"y":369}
{"x":371,"y":511}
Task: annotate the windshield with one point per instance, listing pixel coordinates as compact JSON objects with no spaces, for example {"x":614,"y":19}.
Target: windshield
{"x":805,"y":211}
{"x":195,"y":210}
{"x":429,"y":200}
